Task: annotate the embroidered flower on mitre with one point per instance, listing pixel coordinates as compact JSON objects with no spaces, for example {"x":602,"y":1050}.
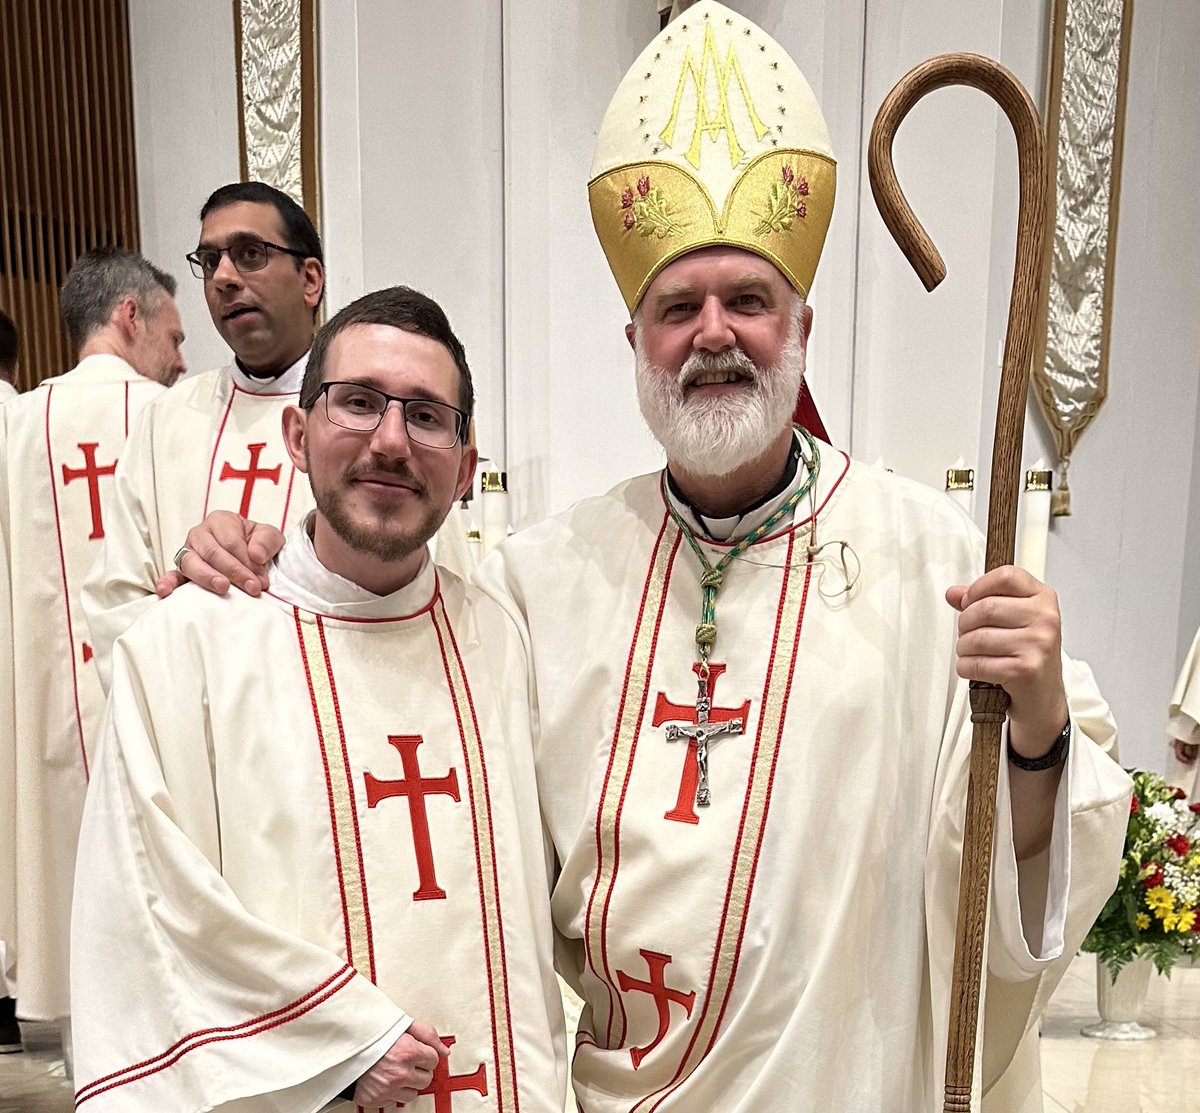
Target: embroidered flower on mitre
{"x":785,"y":203}
{"x":649,"y":212}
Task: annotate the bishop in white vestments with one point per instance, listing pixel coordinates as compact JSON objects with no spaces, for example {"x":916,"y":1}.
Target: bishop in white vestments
{"x":1183,"y":725}
{"x":753,"y":739}
{"x":216,"y":443}
{"x":59,"y":446}
{"x":314,"y":831}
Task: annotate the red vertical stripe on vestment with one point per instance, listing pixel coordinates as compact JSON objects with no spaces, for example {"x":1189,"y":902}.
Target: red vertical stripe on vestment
{"x":216,"y":448}
{"x":682,"y":1072}
{"x":604,"y":975}
{"x":287,"y":500}
{"x":66,"y":589}
{"x":362,"y":874}
{"x":502,"y":958}
{"x":333,"y":827}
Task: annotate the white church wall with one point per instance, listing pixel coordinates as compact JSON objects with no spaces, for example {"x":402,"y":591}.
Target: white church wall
{"x":920,"y":356}
{"x":185,"y":131}
{"x":420,"y":99}
{"x":412,"y":173}
{"x":574,"y":428}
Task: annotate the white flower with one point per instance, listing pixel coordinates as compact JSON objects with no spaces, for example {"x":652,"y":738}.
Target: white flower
{"x":1162,"y":814}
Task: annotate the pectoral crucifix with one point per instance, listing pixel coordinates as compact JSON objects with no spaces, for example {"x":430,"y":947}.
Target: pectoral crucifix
{"x":702,"y":732}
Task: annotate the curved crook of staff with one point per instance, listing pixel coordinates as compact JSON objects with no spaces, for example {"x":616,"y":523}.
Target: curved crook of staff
{"x":989,"y":703}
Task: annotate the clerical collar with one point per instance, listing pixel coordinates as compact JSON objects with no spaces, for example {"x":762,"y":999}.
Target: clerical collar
{"x":738,"y":525}
{"x":288,"y":382}
{"x":299,"y":577}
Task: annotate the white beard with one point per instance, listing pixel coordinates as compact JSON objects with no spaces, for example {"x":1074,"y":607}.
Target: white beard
{"x":715,"y":436}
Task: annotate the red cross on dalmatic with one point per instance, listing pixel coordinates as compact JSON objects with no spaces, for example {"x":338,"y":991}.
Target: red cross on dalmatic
{"x":92,"y":472}
{"x":445,"y":1085}
{"x":250,"y":475}
{"x":415,"y":788}
{"x":664,"y":998}
{"x":666,"y":712}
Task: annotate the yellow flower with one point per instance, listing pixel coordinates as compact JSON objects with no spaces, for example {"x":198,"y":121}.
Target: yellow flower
{"x":1143,"y":921}
{"x":1186,"y":920}
{"x":1160,"y":900}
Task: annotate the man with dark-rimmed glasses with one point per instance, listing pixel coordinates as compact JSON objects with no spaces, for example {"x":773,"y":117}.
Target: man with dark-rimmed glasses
{"x":216,"y":441}
{"x":326,"y":877}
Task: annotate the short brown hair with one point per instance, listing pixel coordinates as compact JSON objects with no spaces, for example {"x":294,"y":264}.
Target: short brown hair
{"x":400,"y":307}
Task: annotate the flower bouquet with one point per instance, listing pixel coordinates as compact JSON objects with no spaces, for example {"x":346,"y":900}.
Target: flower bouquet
{"x":1154,"y":912}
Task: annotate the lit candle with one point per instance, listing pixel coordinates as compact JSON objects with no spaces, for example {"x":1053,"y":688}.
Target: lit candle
{"x":494,"y":497}
{"x":1035,"y":521}
{"x":960,"y":484}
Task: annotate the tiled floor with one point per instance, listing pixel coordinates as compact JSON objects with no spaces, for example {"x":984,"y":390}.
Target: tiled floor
{"x":1100,"y":1076}
{"x":1080,"y":1075}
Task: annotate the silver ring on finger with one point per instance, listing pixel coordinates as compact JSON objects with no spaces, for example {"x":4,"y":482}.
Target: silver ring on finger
{"x":177,"y":560}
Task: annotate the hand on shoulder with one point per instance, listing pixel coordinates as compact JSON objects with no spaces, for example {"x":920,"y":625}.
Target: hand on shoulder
{"x":223,"y":550}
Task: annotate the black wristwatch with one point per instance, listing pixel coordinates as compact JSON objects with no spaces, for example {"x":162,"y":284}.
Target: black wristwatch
{"x":1054,"y":757}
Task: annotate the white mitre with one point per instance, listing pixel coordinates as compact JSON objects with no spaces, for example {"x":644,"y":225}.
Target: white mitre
{"x":712,"y":138}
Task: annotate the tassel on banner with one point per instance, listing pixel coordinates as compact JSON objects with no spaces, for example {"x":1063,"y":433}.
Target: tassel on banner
{"x":1060,"y":498}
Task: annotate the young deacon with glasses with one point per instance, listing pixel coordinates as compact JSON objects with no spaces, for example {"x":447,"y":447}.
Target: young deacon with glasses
{"x":327,"y":878}
{"x":215,"y":442}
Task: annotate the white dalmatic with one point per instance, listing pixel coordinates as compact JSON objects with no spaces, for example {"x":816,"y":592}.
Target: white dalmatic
{"x":786,"y":945}
{"x":318,"y":822}
{"x":59,"y":448}
{"x":215,"y":442}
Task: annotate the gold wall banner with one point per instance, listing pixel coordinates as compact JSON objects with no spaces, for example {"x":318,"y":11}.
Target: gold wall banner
{"x":1085,"y":119}
{"x":276,"y":44}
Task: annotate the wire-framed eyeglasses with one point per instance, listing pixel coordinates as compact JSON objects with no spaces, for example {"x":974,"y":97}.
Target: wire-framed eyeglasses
{"x":246,"y":253}
{"x":361,"y":408}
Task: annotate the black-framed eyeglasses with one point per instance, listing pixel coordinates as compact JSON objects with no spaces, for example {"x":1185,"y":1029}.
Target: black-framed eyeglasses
{"x":361,"y":408}
{"x":246,"y":253}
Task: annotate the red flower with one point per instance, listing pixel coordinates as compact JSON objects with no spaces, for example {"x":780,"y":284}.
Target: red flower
{"x":802,"y":210}
{"x":643,"y":185}
{"x":802,"y":186}
{"x":1180,"y":794}
{"x":1194,"y":807}
{"x":627,"y":198}
{"x":1196,"y":925}
{"x":789,"y":174}
{"x":1155,"y":879}
{"x":1134,"y":806}
{"x":629,"y":221}
{"x":1179,"y":844}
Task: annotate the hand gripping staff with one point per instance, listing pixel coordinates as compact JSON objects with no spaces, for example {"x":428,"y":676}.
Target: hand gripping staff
{"x":989,"y":702}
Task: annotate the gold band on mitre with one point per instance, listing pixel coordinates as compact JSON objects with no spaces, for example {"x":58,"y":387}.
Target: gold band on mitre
{"x":712,"y":138}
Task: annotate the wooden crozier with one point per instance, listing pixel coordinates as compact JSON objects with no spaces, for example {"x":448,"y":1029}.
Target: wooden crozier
{"x":989,"y":702}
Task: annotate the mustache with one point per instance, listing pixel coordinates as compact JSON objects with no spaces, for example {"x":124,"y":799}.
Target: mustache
{"x":698,"y":363}
{"x":397,"y":468}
